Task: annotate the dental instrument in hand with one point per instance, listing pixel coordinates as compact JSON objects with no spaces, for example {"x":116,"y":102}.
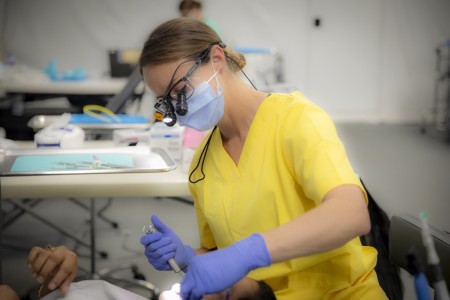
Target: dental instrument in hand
{"x":173,"y":264}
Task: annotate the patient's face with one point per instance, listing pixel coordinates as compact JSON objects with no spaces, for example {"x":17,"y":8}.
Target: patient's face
{"x":245,"y":288}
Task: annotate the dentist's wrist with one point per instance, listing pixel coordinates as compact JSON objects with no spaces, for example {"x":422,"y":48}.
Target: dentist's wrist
{"x":189,"y":254}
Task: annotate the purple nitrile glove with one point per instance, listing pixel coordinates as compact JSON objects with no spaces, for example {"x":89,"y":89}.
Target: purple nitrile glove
{"x":164,"y":245}
{"x":220,"y":269}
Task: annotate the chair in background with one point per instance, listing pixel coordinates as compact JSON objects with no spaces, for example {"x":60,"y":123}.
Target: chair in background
{"x":117,"y":103}
{"x":405,"y":236}
{"x":378,"y":237}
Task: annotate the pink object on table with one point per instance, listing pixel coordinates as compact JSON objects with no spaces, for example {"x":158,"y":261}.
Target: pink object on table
{"x":192,"y":138}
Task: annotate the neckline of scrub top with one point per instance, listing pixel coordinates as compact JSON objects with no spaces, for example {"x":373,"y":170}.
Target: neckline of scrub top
{"x":250,"y":140}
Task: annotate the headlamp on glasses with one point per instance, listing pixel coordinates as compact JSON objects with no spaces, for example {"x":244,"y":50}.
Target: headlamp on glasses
{"x":165,"y":109}
{"x":164,"y":112}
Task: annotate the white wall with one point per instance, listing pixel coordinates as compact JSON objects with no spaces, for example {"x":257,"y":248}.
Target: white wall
{"x":2,"y":23}
{"x":343,"y":58}
{"x":371,"y":60}
{"x":79,"y":33}
{"x":411,"y":31}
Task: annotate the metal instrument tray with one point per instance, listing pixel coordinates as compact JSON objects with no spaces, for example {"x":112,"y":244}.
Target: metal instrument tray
{"x":55,"y":161}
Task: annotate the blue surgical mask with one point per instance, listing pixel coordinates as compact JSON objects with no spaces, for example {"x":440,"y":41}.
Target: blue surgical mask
{"x":205,"y":108}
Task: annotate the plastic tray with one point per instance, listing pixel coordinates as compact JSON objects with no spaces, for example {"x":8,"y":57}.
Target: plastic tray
{"x":40,"y":121}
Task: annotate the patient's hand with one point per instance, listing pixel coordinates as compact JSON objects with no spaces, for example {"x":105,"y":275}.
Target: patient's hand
{"x":7,"y":293}
{"x":56,"y":267}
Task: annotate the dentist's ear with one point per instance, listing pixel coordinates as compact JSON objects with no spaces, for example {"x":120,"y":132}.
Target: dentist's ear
{"x":218,"y":58}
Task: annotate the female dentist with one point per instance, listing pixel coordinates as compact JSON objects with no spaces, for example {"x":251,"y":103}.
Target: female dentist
{"x":275,"y":195}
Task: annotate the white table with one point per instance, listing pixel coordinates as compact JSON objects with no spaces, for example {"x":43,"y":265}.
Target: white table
{"x":166,"y":184}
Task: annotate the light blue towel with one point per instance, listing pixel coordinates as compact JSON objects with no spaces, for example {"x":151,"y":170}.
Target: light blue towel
{"x":62,"y":162}
{"x":124,"y":119}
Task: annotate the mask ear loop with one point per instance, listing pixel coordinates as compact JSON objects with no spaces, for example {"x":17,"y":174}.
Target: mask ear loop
{"x":217,"y":80}
{"x":214,"y":75}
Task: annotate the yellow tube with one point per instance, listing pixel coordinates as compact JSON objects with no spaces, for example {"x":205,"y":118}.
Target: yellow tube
{"x":92,"y":110}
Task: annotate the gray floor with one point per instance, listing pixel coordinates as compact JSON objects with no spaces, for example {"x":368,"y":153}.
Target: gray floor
{"x":405,"y":171}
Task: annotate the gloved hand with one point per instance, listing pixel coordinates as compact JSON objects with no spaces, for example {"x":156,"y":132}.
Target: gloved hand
{"x":164,"y":245}
{"x":217,"y":270}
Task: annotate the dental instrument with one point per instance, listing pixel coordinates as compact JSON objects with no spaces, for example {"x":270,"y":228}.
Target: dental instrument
{"x":439,"y":284}
{"x":173,"y":264}
{"x":420,"y":280}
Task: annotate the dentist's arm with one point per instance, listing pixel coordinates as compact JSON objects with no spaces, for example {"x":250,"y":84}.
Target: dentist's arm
{"x":342,"y":216}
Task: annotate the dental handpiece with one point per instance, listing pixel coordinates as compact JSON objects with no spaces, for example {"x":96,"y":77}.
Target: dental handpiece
{"x":173,"y":264}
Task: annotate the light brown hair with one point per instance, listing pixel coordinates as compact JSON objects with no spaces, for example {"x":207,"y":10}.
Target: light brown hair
{"x":183,"y":38}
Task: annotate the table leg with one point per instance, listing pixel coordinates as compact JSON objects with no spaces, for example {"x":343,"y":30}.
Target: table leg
{"x":92,"y":221}
{"x":47,"y":222}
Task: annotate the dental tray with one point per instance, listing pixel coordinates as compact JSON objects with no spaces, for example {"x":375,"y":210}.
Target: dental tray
{"x":55,"y":161}
{"x":91,"y":123}
{"x":121,"y":119}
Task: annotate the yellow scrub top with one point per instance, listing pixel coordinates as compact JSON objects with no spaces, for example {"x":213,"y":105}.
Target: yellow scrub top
{"x":291,"y":158}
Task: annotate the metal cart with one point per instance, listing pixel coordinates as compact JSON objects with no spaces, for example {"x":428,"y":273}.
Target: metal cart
{"x":440,"y":112}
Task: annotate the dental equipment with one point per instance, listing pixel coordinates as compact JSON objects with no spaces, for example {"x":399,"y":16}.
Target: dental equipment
{"x":173,"y":264}
{"x":439,"y":284}
{"x":420,"y":280}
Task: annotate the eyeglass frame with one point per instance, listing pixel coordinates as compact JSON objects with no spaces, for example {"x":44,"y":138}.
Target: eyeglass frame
{"x":185,"y":78}
{"x":164,"y":103}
